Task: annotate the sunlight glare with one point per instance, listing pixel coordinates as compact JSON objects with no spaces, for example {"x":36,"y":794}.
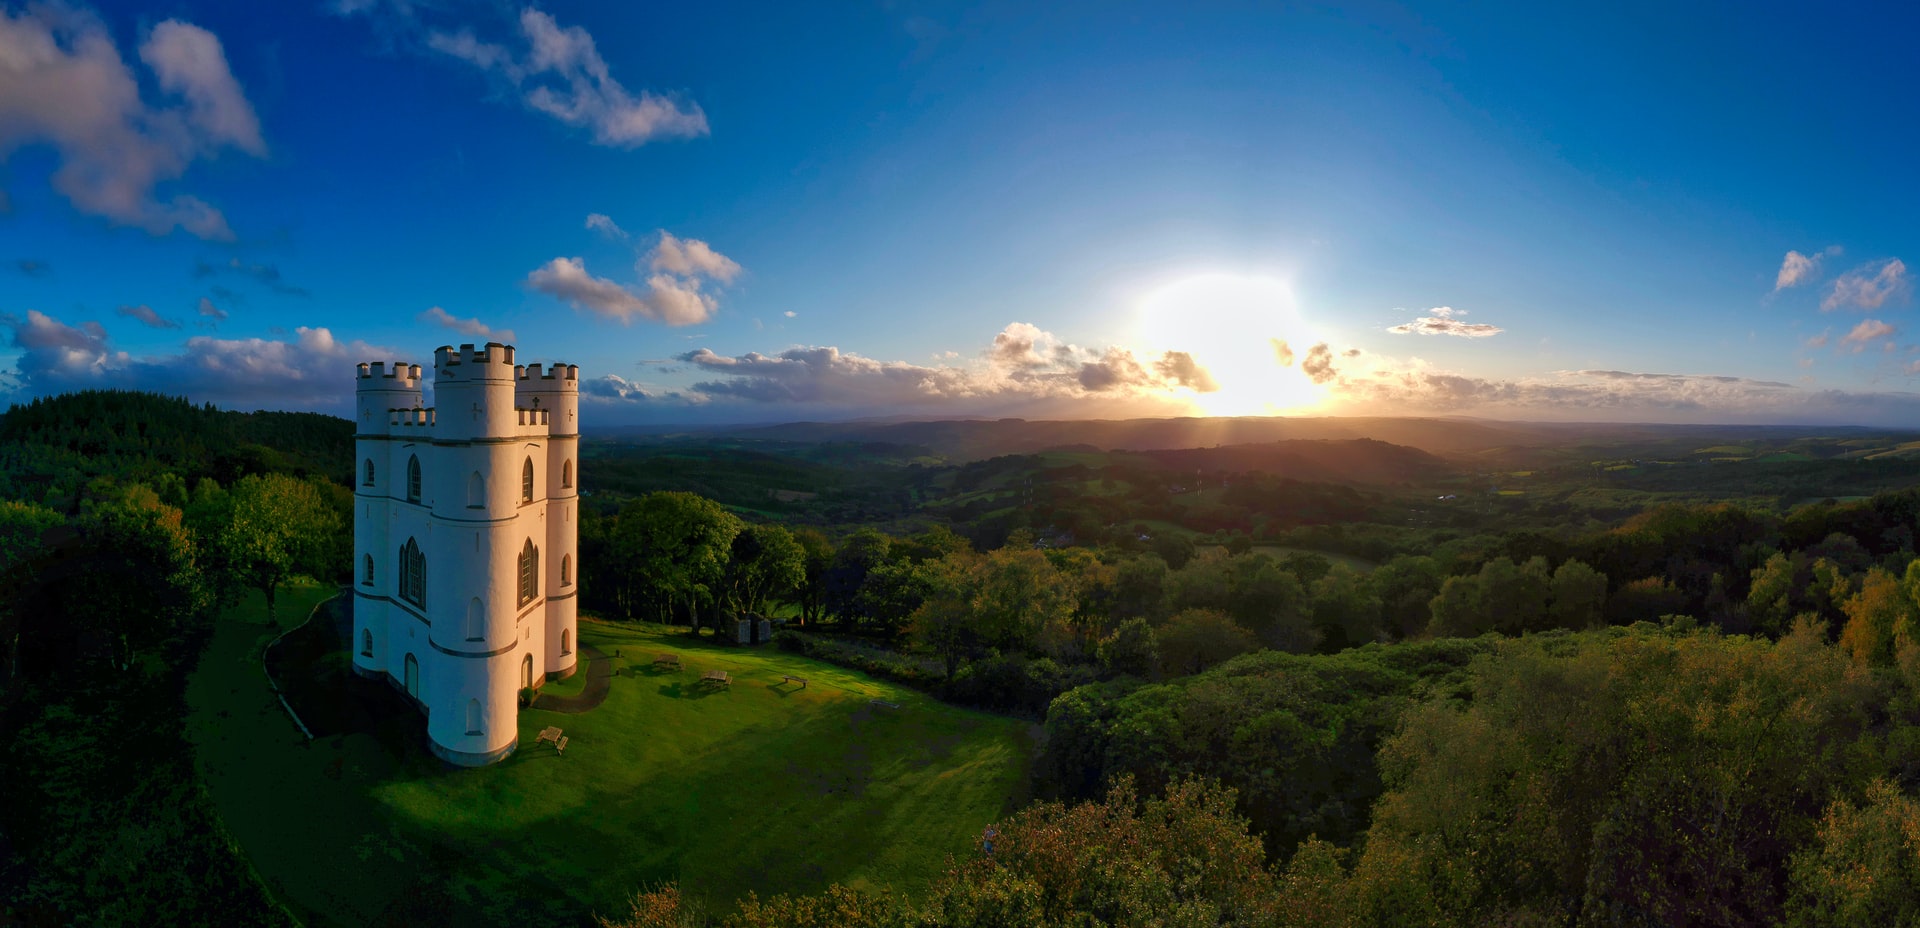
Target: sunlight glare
{"x":1228,"y":323}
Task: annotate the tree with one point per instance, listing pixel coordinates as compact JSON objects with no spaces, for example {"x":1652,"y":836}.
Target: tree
{"x":1515,"y":595}
{"x":277,"y":525}
{"x":1196,"y":639}
{"x":1459,"y":609}
{"x":1880,"y":620}
{"x":1404,"y":586}
{"x":1346,"y":612}
{"x":1579,"y":596}
{"x":943,"y":625}
{"x":1174,"y":548}
{"x":1863,"y":867}
{"x":765,"y":564}
{"x":856,"y":557}
{"x":817,"y":558}
{"x":1130,"y":650}
{"x":675,"y":547}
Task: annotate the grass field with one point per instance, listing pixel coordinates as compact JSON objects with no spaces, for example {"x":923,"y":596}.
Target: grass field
{"x":763,"y":787}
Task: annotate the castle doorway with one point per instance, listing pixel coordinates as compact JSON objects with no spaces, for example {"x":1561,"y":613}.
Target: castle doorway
{"x":413,"y":676}
{"x":526,"y":673}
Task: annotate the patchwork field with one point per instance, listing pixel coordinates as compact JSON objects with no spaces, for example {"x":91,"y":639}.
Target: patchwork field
{"x":763,"y":786}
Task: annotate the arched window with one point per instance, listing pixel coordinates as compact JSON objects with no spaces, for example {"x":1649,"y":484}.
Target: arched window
{"x":566,"y":569}
{"x":366,"y":642}
{"x":566,"y":641}
{"x":526,"y":481}
{"x":474,"y":722}
{"x":413,"y":479}
{"x":412,"y":676}
{"x":566,"y":473}
{"x":476,"y":491}
{"x":368,"y":478}
{"x":413,"y":574}
{"x":526,"y":672}
{"x":476,"y":619}
{"x":368,"y":571}
{"x":529,"y":573}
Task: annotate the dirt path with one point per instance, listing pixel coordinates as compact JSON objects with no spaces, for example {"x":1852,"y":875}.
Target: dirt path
{"x":599,"y":681}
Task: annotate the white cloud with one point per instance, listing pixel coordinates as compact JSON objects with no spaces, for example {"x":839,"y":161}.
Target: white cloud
{"x":603,"y":223}
{"x":473,"y":327}
{"x":789,"y":314}
{"x":557,"y":70}
{"x":673,"y":293}
{"x":691,"y":258}
{"x":145,"y":315}
{"x":1869,"y":286}
{"x":1866,"y":333}
{"x":211,"y":311}
{"x":1797,"y":269}
{"x":1441,"y":320}
{"x":63,"y":84}
{"x":1024,"y":369}
{"x":311,"y":371}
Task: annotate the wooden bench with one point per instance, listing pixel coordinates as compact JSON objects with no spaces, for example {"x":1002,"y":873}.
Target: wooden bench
{"x":549,"y":733}
{"x":717,"y":678}
{"x":667,"y":660}
{"x":560,"y":746}
{"x":790,"y":678}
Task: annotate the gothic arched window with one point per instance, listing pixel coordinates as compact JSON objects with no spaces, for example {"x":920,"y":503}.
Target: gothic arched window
{"x":476,"y":619}
{"x":526,"y":481}
{"x":476,"y":491}
{"x":368,"y":479}
{"x":413,"y":479}
{"x":566,"y":474}
{"x":366,"y":642}
{"x":566,"y":641}
{"x":526,"y":673}
{"x":566,"y":569}
{"x":413,"y":574}
{"x":529,"y":573}
{"x":474,"y":722}
{"x":369,"y":571}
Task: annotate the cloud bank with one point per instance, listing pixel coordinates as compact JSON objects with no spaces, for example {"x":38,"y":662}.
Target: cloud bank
{"x":1441,"y":321}
{"x":311,"y":371}
{"x":551,"y":69}
{"x":473,"y":327}
{"x":679,"y":274}
{"x":63,"y":84}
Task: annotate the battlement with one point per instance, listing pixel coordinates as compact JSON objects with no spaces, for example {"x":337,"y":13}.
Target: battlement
{"x":558,"y":377}
{"x":531,"y":416}
{"x":405,"y":376}
{"x":492,"y":361}
{"x":424,"y":418}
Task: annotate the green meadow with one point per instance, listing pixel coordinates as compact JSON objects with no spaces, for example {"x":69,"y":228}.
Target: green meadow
{"x":762,"y":786}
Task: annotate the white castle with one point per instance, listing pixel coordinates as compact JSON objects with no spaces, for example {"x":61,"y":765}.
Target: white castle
{"x":465,"y":538}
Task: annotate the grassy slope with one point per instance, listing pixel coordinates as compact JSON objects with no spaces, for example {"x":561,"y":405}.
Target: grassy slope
{"x":758,"y":788}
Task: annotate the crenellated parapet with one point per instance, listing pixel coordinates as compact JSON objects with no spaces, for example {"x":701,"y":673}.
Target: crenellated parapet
{"x":492,"y":361}
{"x":558,"y":378}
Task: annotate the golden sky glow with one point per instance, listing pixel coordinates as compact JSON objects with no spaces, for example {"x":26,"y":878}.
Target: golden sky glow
{"x":1230,"y":323}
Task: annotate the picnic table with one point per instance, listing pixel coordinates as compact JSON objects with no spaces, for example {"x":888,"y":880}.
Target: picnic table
{"x":667,"y":660}
{"x":790,"y":678}
{"x":717,"y":677}
{"x":548,"y":733}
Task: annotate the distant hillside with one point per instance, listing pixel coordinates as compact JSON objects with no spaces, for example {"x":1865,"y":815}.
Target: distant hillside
{"x":52,"y":445}
{"x":976,"y":439}
{"x":968,"y":440}
{"x":1360,"y":460}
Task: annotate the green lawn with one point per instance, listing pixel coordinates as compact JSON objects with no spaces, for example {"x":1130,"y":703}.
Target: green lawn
{"x":762,"y":787}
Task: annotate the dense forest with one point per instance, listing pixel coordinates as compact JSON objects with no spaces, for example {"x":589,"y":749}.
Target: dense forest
{"x":1626,"y":679}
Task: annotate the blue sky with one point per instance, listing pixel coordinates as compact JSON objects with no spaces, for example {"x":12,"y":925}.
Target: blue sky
{"x":1640,"y":212}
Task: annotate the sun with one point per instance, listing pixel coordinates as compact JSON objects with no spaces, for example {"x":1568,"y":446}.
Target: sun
{"x":1234,"y":326}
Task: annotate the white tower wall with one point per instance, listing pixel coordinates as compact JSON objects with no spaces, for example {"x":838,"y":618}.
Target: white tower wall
{"x":474,"y":643}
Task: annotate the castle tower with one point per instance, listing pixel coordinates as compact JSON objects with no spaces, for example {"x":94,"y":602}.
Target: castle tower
{"x":465,"y":539}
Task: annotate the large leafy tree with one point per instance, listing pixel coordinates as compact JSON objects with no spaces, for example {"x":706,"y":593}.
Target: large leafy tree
{"x":675,"y":546}
{"x":276,"y":526}
{"x":766,"y":564}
